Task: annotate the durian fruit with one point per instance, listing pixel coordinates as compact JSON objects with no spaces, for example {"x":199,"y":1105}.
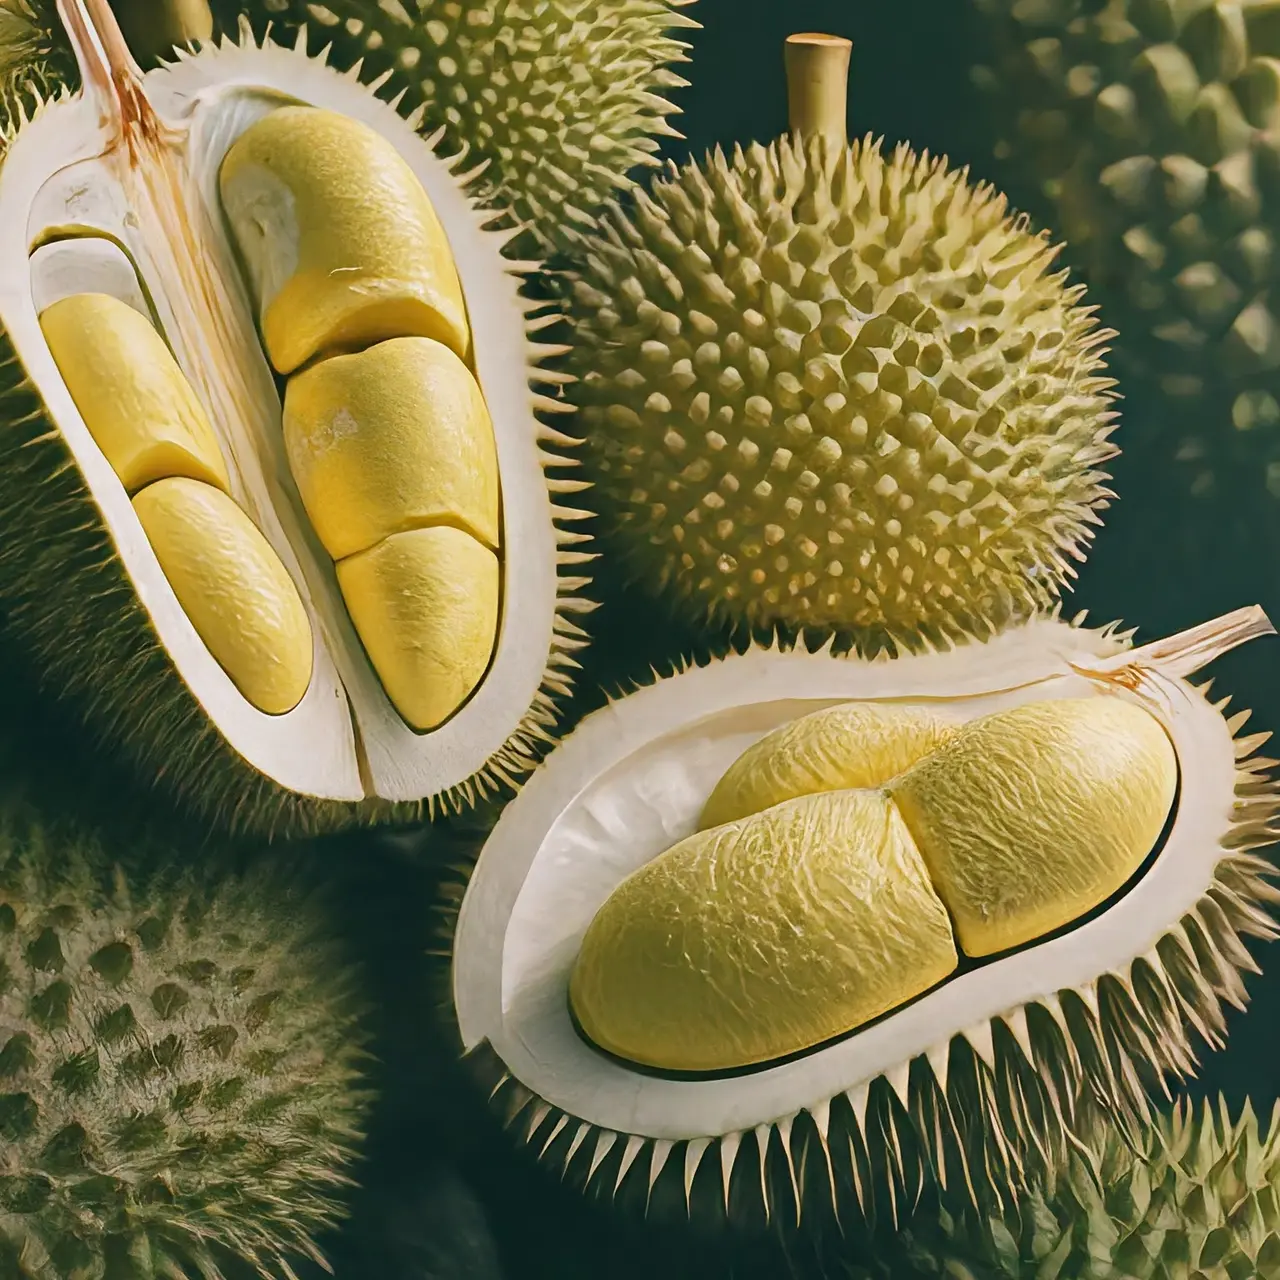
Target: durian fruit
{"x":183,"y":1080}
{"x":564,"y":99}
{"x":1148,"y":132}
{"x":274,"y":511}
{"x":823,"y":387}
{"x":1197,"y":1195}
{"x":802,"y":1008}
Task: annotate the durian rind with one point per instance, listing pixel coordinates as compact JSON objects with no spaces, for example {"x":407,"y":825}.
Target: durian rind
{"x":838,"y":389}
{"x":67,"y":595}
{"x":1146,"y":134}
{"x":154,"y":1010}
{"x":1112,"y":1008}
{"x":564,"y":100}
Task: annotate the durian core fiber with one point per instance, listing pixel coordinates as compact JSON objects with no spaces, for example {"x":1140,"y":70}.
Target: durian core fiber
{"x":847,"y":861}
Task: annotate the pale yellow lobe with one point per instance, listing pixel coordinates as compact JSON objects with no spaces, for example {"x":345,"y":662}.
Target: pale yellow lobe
{"x":340,"y":241}
{"x":392,"y":438}
{"x":134,"y":399}
{"x":1030,"y":818}
{"x":854,"y":744}
{"x":763,"y":937}
{"x":425,"y":604}
{"x":233,"y":587}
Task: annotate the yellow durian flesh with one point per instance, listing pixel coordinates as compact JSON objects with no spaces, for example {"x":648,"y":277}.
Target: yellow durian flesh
{"x":742,"y":940}
{"x":135,"y":401}
{"x":1030,"y":818}
{"x":232,"y":587}
{"x":852,"y":744}
{"x":342,"y":244}
{"x":763,"y":937}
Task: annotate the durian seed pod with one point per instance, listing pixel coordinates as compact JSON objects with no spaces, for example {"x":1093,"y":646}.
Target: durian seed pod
{"x":565,"y":100}
{"x":278,"y":514}
{"x":1197,"y":1195}
{"x":937,"y":900}
{"x":183,"y":1062}
{"x":1146,"y":134}
{"x":827,"y":388}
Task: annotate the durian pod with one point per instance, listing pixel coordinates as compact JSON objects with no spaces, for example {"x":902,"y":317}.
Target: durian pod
{"x":1195,"y":1195}
{"x":564,"y":102}
{"x":278,"y":517}
{"x":974,"y":1082}
{"x":1146,"y":135}
{"x":831,"y":388}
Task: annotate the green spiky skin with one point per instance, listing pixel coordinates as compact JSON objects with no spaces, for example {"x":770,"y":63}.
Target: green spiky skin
{"x":563,"y":98}
{"x":839,"y":391}
{"x":1148,"y":134}
{"x":1195,"y":1196}
{"x":35,"y":60}
{"x":181,"y":1062}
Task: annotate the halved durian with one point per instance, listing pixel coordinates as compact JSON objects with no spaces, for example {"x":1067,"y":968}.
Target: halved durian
{"x":977,"y":1077}
{"x":273,"y":510}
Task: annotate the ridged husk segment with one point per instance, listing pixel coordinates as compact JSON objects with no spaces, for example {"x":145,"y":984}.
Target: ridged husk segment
{"x":981,"y":1112}
{"x":1194,"y":1195}
{"x":97,"y":648}
{"x":564,"y":98}
{"x":183,"y":1061}
{"x":1147,"y":132}
{"x":834,"y":388}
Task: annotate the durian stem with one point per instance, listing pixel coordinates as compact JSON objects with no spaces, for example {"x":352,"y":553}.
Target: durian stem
{"x":154,"y":28}
{"x":818,"y":85}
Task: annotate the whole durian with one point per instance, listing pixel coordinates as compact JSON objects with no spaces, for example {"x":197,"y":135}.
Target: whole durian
{"x":826,"y":387}
{"x":181,"y":1063}
{"x":1197,"y":1194}
{"x":1149,"y":134}
{"x":563,"y":98}
{"x":280,"y":519}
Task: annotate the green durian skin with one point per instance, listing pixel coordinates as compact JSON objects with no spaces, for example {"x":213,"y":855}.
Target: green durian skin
{"x":182,"y":1061}
{"x":564,"y":99}
{"x":840,"y":391}
{"x":1147,"y":134}
{"x":1194,"y":1195}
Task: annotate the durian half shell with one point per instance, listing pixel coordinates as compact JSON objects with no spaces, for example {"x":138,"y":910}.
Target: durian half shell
{"x":975,"y":1082}
{"x":80,"y":586}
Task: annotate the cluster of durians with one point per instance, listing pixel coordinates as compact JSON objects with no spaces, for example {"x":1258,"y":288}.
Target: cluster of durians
{"x":897,"y":907}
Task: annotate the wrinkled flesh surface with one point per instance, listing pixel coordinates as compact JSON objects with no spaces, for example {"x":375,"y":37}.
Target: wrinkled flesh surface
{"x":385,"y":431}
{"x":866,"y":848}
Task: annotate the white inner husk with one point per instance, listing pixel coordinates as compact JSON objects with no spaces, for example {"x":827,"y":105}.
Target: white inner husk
{"x":631,"y":781}
{"x":344,"y":740}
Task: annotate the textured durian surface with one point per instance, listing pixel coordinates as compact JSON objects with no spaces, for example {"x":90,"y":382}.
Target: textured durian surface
{"x":95,"y":645}
{"x":35,"y":59}
{"x":182,"y":1077}
{"x":1146,"y":133}
{"x":838,"y":388}
{"x":1195,"y":1195}
{"x":565,"y":99}
{"x":981,"y":1116}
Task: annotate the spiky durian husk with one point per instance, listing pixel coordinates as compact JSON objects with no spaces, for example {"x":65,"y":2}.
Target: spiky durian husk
{"x":1195,"y":1195}
{"x":97,"y":649}
{"x":986,"y":1113}
{"x":1148,"y":132}
{"x":34,"y":60}
{"x":564,"y":98}
{"x":835,"y":389}
{"x":181,"y":1062}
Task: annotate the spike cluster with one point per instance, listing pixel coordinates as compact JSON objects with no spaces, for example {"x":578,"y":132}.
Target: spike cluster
{"x":180,"y":1065}
{"x":564,"y":98}
{"x":983,"y":1113}
{"x":839,"y":390}
{"x":1150,"y":131}
{"x":1199,"y":1195}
